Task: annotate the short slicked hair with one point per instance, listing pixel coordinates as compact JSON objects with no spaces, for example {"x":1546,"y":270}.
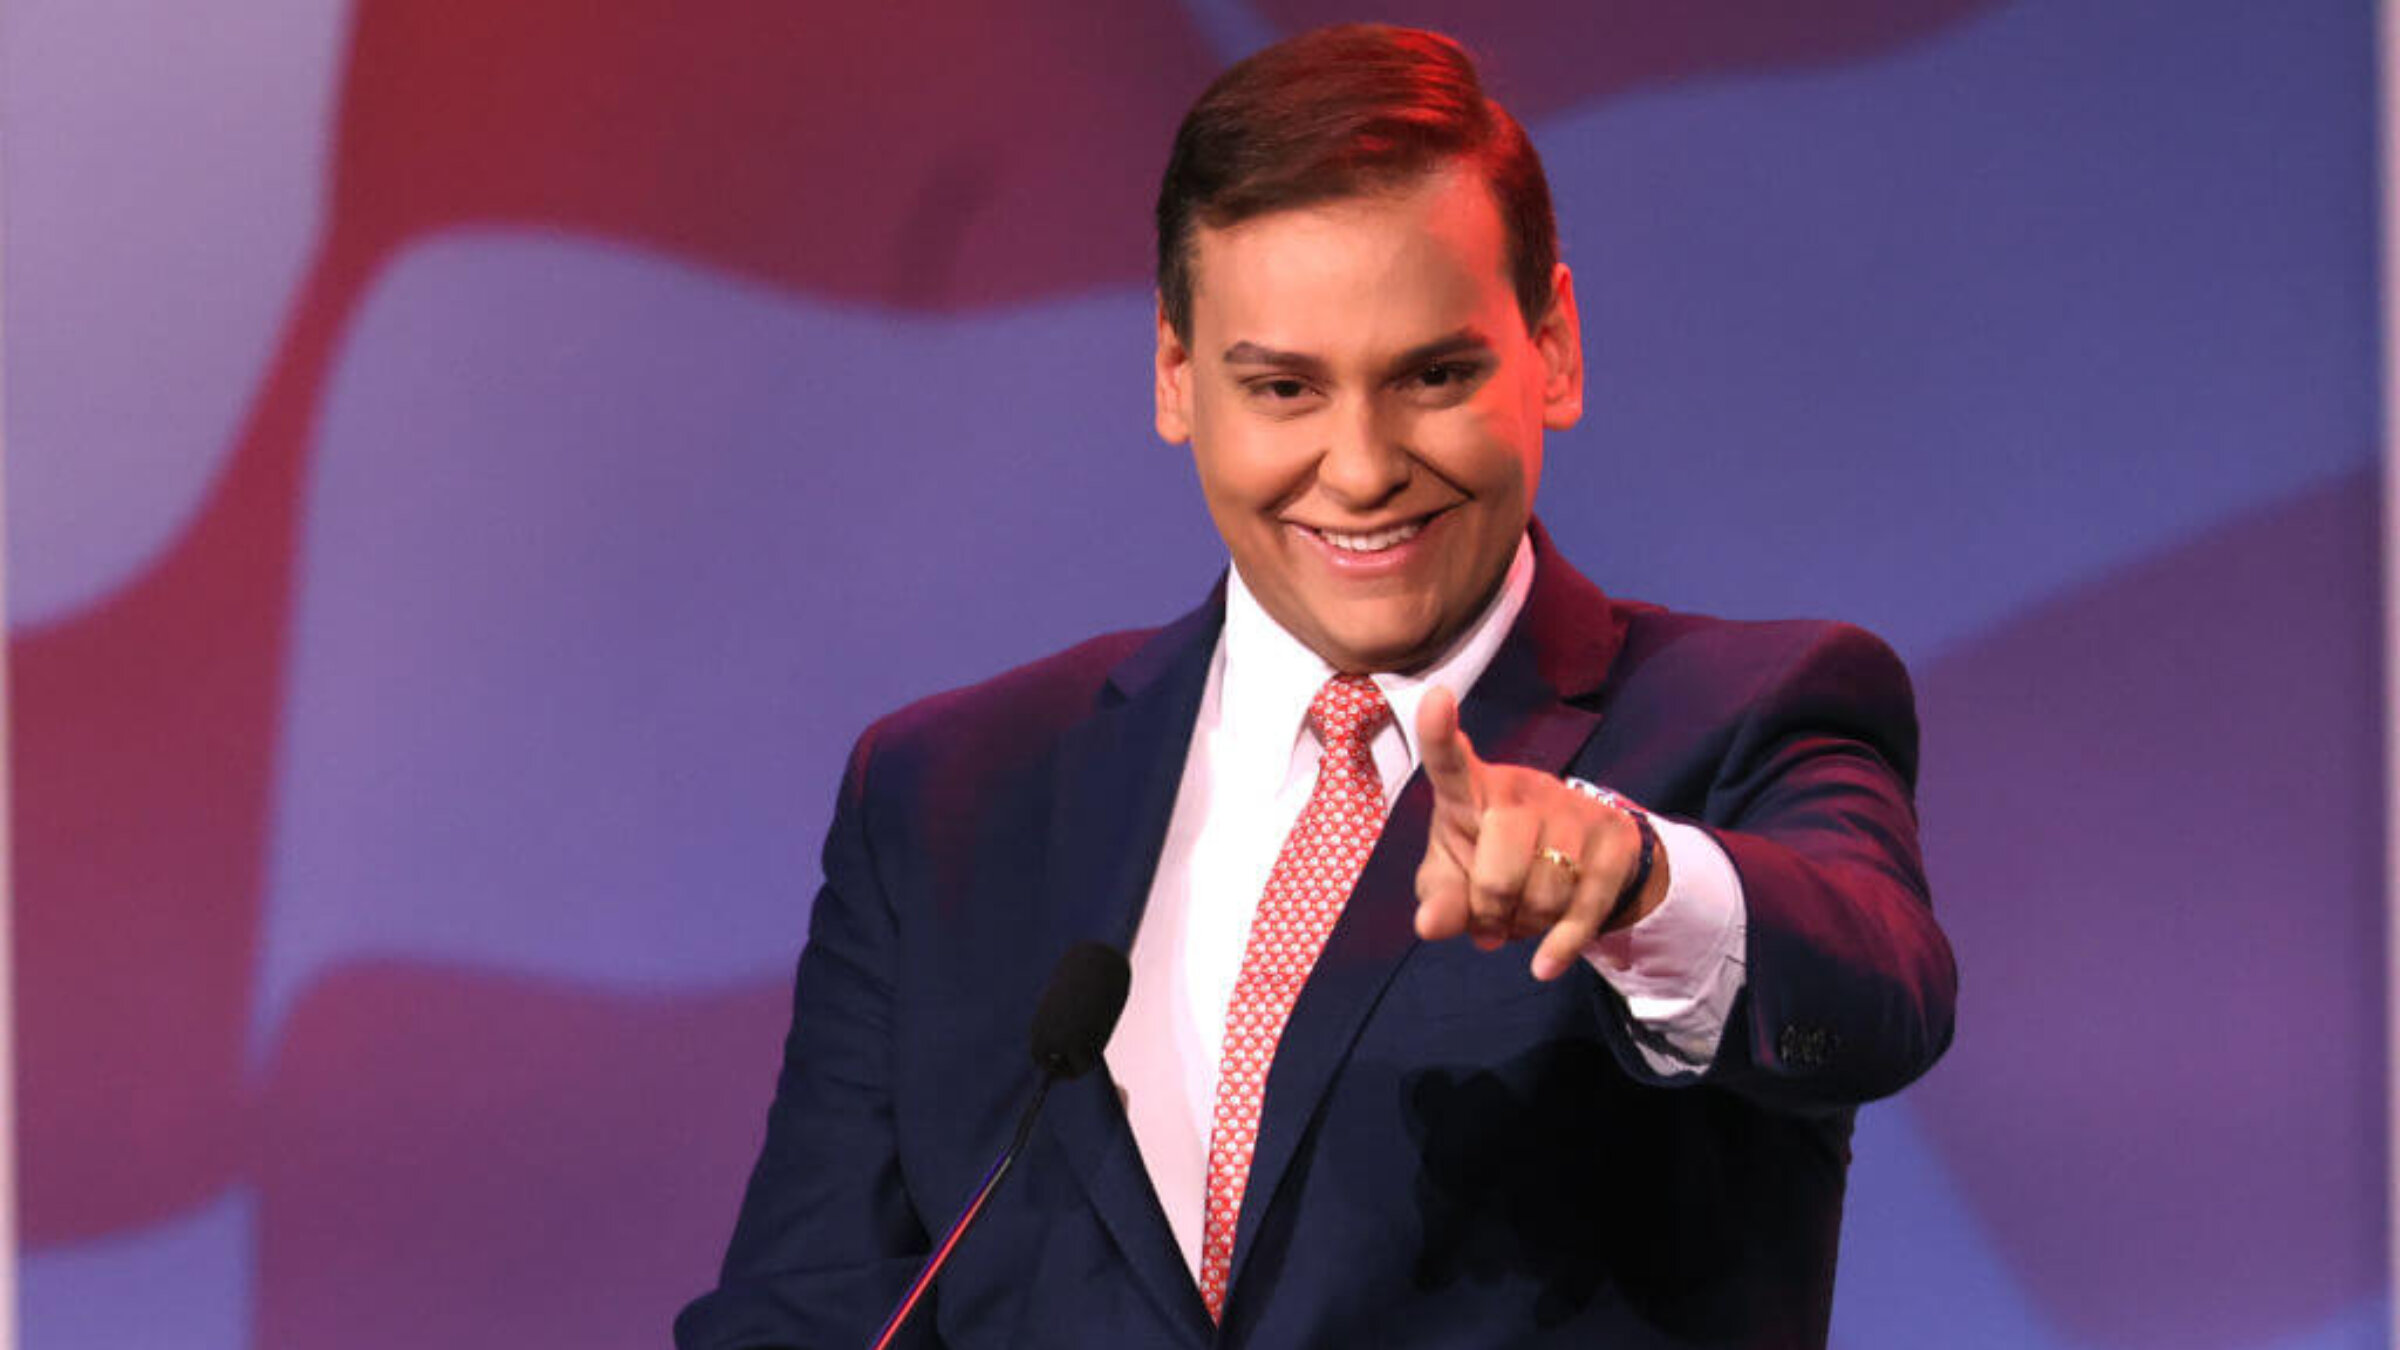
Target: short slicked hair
{"x":1340,"y":112}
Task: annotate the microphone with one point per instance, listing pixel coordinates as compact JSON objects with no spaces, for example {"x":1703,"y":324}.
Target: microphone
{"x":1079,"y":1010}
{"x":1070,"y":1028}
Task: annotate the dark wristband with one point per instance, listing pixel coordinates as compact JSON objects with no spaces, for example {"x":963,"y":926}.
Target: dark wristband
{"x":1632,"y":888}
{"x":1627,"y":893}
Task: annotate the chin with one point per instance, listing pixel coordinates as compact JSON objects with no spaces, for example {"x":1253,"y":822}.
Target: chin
{"x":1381,"y":652}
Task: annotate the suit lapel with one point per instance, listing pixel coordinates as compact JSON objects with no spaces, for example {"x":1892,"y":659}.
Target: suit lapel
{"x":1118,"y":772}
{"x":1532,"y":706}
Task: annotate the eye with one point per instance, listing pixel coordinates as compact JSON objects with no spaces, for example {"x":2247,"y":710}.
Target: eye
{"x":1446,"y":381}
{"x":1278,"y":389}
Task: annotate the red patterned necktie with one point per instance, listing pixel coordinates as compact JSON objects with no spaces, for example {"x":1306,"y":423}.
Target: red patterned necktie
{"x":1320,"y":862}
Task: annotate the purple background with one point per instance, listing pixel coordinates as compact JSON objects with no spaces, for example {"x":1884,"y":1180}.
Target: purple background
{"x":473,"y":468}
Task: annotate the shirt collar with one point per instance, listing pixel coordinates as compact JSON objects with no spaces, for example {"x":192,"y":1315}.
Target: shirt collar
{"x":1270,"y":676}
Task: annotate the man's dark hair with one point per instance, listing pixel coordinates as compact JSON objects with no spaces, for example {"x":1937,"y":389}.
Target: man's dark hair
{"x":1339,"y":112}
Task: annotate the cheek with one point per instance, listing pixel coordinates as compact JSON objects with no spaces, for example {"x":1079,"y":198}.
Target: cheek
{"x":1484,"y":449}
{"x":1238,"y":484}
{"x":1248,"y":465}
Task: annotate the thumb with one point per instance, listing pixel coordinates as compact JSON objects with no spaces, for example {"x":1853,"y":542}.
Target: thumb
{"x":1448,"y":756}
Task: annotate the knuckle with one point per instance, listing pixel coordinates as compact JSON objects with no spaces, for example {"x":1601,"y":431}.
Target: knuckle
{"x":1485,"y":901}
{"x":1492,"y":908}
{"x":1492,"y":880}
{"x":1604,"y":858}
{"x":1542,"y":894}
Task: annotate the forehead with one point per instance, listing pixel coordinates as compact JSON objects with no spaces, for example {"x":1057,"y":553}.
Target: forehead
{"x":1425,"y":256}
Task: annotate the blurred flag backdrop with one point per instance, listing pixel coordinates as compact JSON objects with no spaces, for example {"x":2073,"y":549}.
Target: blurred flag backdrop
{"x":474,"y":464}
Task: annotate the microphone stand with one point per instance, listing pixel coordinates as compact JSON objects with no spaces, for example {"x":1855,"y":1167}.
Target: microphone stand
{"x":958,"y":1227}
{"x":1070,"y":1028}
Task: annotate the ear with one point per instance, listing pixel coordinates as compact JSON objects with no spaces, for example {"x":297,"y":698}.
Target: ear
{"x":1560,"y":340}
{"x":1174,"y":383}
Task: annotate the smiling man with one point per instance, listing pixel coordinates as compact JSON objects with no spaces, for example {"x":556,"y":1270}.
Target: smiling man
{"x":1508,"y":959}
{"x":1365,"y":401}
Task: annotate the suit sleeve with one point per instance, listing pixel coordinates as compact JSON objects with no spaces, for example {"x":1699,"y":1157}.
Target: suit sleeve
{"x":1849,"y":986}
{"x":827,"y":1236}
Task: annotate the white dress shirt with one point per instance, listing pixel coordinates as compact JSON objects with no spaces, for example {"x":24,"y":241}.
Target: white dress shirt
{"x":1249,"y":773}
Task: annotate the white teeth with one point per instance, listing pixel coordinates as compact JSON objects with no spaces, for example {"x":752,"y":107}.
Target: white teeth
{"x":1372,"y":543}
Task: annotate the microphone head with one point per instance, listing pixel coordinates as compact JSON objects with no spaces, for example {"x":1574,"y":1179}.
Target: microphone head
{"x":1080,"y":1009}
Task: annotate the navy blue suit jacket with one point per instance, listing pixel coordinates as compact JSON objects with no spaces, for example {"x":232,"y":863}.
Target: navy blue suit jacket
{"x":1451,"y":1154}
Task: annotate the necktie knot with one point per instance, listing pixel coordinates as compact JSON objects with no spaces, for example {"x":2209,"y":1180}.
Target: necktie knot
{"x":1347,"y":713}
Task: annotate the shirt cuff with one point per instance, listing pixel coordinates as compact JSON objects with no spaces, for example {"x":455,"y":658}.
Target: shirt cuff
{"x":1680,"y":967}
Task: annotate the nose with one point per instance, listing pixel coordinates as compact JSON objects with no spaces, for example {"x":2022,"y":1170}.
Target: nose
{"x":1365,"y":464}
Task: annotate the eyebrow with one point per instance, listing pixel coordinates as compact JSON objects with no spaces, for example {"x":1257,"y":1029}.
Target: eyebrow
{"x":1252,"y":354}
{"x":1466,"y":341}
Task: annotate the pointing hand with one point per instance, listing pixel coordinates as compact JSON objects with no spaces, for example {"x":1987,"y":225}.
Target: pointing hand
{"x":1490,"y":870}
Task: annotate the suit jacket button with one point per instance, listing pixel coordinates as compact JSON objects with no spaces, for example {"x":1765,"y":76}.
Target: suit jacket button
{"x":1805,"y":1047}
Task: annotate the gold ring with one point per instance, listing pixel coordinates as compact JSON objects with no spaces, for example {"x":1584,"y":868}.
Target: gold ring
{"x":1558,"y":858}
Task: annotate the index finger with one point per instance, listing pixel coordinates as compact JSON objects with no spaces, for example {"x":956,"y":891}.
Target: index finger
{"x":1448,"y":756}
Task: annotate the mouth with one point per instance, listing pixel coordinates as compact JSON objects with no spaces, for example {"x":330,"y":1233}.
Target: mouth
{"x":1367,"y":542}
